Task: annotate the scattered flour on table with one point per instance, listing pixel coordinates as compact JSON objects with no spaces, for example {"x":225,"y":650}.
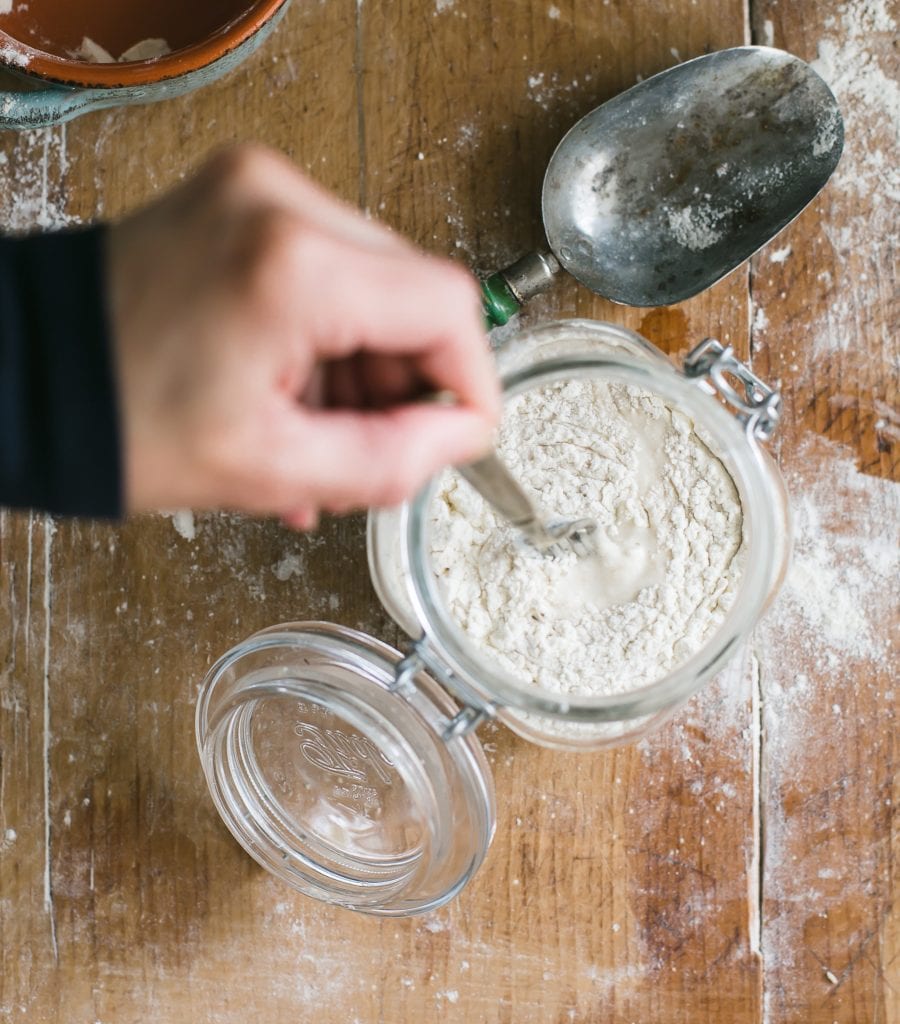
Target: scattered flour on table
{"x":32,"y":161}
{"x":830,"y":581}
{"x":827,"y":643}
{"x":290,"y":565}
{"x":840,"y":595}
{"x":854,"y":58}
{"x":184,"y":523}
{"x":868,"y":95}
{"x":828,"y":647}
{"x":670,"y":542}
{"x":468,"y":136}
{"x":548,"y":90}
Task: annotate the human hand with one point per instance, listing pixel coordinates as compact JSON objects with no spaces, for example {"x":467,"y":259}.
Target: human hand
{"x":271,"y":345}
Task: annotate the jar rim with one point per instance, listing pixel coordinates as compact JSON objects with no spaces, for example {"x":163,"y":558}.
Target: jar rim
{"x":745,"y":464}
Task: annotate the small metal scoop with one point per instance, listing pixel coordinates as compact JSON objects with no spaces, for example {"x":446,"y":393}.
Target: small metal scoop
{"x":494,"y":482}
{"x":663,"y":190}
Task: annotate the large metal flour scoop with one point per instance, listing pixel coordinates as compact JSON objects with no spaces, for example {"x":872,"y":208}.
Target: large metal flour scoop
{"x":663,"y":190}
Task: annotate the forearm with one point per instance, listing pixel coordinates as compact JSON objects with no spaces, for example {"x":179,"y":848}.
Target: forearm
{"x":59,"y":431}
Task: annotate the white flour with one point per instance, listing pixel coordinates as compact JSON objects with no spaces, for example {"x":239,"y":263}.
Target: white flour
{"x":669,"y":554}
{"x":146,"y":49}
{"x":10,"y":54}
{"x":696,"y":227}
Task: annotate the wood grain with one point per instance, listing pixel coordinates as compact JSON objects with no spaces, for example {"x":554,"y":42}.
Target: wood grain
{"x":621,"y":887}
{"x":826,"y":324}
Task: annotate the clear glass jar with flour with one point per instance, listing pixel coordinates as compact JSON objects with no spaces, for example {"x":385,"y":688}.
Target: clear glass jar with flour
{"x":353,"y":771}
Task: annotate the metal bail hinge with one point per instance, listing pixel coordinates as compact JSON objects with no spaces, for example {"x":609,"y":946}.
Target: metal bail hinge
{"x":405,"y":672}
{"x":758,"y":408}
{"x":420,"y":659}
{"x":463,"y":723}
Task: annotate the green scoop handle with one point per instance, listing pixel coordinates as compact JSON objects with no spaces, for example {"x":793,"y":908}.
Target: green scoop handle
{"x":504,"y":293}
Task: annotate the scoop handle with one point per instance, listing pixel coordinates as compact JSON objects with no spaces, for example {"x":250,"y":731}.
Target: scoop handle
{"x":500,"y":304}
{"x":505,"y":292}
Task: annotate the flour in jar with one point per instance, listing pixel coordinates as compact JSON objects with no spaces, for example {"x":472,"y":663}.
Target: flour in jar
{"x":669,"y":542}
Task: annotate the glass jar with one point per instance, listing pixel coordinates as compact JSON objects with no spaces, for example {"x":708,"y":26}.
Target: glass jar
{"x":352,"y":770}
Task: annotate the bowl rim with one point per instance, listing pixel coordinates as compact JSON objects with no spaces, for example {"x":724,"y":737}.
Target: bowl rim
{"x":25,"y":60}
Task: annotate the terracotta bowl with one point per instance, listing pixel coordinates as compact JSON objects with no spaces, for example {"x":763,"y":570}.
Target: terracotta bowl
{"x":40,"y":41}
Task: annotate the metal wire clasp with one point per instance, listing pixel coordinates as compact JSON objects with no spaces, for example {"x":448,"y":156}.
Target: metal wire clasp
{"x":420,"y":659}
{"x":758,"y":408}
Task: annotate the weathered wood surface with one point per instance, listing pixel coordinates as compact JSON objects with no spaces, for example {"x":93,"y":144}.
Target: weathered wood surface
{"x":734,"y":868}
{"x":825,"y":321}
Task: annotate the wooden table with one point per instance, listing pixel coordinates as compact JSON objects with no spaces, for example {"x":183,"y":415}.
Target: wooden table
{"x":734,"y":868}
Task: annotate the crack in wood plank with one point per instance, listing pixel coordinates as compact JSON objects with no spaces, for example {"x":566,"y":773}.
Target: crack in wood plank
{"x":756,"y":867}
{"x":360,"y":107}
{"x":28,"y":564}
{"x":49,"y":530}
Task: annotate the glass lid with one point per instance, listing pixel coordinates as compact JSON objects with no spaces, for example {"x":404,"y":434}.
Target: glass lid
{"x":338,"y":781}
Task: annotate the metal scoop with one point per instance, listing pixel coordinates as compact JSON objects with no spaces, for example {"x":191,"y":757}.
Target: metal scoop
{"x":494,"y":482}
{"x":666,"y":188}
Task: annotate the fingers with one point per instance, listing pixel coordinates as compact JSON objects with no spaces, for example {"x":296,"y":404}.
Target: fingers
{"x":355,"y":286}
{"x":401,"y":305}
{"x":344,"y":388}
{"x":255,"y":175}
{"x":391,"y":380}
{"x":339,"y":460}
{"x":369,"y":380}
{"x":302,"y":304}
{"x":366,"y":288}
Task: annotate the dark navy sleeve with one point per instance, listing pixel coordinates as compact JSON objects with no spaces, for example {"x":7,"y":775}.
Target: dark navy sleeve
{"x":59,"y":429}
